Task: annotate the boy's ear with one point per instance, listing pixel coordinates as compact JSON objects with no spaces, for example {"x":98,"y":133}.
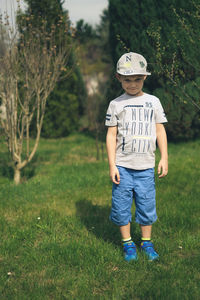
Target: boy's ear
{"x":145,"y":76}
{"x":118,"y":76}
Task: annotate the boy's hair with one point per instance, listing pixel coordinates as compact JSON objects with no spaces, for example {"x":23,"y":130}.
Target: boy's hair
{"x":132,"y":64}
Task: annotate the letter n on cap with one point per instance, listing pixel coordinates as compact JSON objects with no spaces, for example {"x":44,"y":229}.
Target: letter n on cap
{"x":128,"y":57}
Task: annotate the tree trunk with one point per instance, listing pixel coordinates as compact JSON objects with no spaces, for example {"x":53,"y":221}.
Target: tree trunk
{"x":97,"y":146}
{"x":17,"y":176}
{"x":102,"y":151}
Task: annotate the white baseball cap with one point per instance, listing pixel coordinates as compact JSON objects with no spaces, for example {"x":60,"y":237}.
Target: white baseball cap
{"x":132,"y":64}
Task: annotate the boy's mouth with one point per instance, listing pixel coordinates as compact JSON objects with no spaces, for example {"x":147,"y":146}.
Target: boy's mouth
{"x":133,"y":89}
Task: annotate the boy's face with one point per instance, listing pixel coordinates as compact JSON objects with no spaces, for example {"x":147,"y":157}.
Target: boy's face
{"x":132,"y":84}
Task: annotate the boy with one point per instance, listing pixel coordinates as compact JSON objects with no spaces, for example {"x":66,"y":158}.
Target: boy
{"x":135,"y":120}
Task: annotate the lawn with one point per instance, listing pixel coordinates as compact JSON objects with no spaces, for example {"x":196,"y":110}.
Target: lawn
{"x":57,"y":241}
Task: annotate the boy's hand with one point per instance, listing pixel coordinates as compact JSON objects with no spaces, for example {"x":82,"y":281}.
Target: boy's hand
{"x":163,"y":168}
{"x":114,"y":175}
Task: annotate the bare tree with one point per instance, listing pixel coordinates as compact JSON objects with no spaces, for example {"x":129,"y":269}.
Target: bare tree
{"x":30,"y":67}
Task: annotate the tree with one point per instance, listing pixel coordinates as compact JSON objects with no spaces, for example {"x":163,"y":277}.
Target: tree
{"x":152,"y":30}
{"x":181,"y":70}
{"x":84,"y":31}
{"x":3,"y":39}
{"x":67,"y":101}
{"x":3,"y":42}
{"x":95,"y":65}
{"x":184,"y":62}
{"x":28,"y":74}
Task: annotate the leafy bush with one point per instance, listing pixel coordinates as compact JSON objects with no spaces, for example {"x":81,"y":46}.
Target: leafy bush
{"x":183,"y":117}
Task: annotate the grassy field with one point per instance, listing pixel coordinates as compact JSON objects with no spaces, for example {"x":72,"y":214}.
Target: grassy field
{"x":57,"y":241}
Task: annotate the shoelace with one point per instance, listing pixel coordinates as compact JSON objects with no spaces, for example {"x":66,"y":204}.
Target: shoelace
{"x":129,"y":248}
{"x":150,"y":249}
{"x":149,"y":246}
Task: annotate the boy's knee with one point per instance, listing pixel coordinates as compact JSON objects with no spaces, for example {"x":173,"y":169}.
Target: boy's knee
{"x":146,"y":218}
{"x":120,"y":218}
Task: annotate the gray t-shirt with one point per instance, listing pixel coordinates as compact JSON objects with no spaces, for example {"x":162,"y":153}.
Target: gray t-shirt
{"x":135,"y":118}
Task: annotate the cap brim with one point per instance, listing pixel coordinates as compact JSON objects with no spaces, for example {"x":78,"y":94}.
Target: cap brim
{"x":134,"y":73}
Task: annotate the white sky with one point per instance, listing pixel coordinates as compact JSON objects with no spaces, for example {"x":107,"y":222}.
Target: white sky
{"x":89,"y":10}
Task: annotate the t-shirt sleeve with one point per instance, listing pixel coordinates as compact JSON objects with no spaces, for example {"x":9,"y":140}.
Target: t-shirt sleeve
{"x":160,"y":114}
{"x":111,"y":117}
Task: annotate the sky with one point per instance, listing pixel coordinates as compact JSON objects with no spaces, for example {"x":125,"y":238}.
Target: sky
{"x":89,"y":10}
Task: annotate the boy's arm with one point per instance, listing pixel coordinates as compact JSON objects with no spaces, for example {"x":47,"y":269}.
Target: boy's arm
{"x":162,"y":144}
{"x":111,"y":140}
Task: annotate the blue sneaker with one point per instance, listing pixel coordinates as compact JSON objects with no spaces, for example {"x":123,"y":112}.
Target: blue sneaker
{"x":130,"y":252}
{"x":148,"y":249}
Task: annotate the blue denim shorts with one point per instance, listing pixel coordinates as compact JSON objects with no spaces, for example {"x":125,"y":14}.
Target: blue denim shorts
{"x":138,"y":185}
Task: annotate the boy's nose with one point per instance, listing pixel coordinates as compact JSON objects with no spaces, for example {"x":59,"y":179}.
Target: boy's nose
{"x":133,"y":84}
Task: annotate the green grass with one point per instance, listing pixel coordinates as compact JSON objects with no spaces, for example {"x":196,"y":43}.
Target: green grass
{"x":58,"y":243}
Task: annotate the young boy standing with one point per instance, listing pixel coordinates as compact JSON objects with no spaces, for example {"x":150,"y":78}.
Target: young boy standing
{"x":135,"y":120}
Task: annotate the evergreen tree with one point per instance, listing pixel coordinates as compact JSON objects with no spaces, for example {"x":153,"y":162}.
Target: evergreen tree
{"x":84,"y":31}
{"x":151,"y":29}
{"x":66,"y":102}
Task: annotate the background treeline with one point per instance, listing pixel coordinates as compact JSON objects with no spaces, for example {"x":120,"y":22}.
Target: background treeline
{"x":166,"y":34}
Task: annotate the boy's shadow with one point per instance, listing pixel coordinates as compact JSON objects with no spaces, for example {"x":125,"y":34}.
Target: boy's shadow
{"x":96,"y":219}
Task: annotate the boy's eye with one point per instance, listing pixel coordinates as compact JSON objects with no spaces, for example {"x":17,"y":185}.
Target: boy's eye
{"x":136,"y":80}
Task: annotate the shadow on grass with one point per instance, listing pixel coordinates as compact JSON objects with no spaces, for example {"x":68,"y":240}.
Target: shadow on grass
{"x":96,"y":219}
{"x":6,"y":167}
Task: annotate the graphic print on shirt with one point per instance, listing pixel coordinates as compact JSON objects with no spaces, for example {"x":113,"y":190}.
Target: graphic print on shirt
{"x":137,"y":128}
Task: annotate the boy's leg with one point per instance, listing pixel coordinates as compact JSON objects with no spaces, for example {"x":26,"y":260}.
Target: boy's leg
{"x":145,"y":201}
{"x":146,"y":245}
{"x":146,"y":231}
{"x":148,"y":248}
{"x":129,"y":246}
{"x":125,"y":231}
{"x":122,"y":198}
{"x":146,"y":209}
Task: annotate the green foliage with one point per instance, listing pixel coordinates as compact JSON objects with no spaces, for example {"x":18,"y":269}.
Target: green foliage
{"x":183,"y":117}
{"x":168,"y":36}
{"x":67,"y":102}
{"x":3,"y":39}
{"x":47,"y":8}
{"x":152,"y":30}
{"x":93,"y":42}
{"x":95,"y":65}
{"x":84,"y":31}
{"x":57,"y":241}
{"x":62,"y":110}
{"x":103,"y":35}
